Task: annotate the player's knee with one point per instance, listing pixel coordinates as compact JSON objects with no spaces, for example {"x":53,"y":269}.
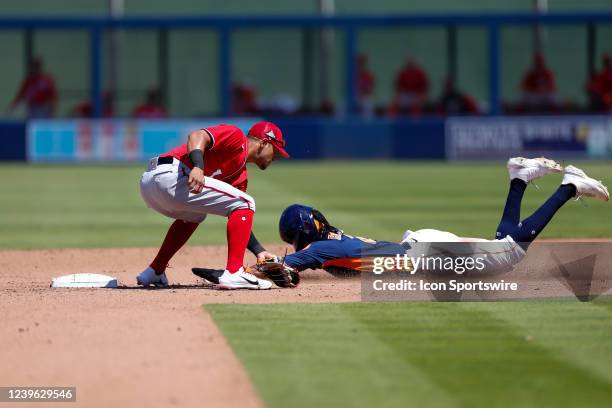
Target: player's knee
{"x":248,"y":202}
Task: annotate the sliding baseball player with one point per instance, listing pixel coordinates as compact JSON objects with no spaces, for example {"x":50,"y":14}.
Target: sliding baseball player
{"x":318,"y":244}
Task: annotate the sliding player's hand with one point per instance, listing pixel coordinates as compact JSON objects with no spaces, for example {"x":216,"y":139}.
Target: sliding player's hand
{"x":264,"y":256}
{"x":279,"y":273}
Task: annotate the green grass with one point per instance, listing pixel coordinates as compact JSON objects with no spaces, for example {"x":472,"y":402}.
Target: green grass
{"x":100,"y":206}
{"x":512,"y":354}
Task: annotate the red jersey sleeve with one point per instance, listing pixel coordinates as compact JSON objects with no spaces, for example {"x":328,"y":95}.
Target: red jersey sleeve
{"x":226,"y":138}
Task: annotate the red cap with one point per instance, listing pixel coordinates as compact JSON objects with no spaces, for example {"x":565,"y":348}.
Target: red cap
{"x":270,"y":132}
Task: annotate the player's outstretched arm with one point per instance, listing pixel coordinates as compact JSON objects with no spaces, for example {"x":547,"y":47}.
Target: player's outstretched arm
{"x":258,"y":250}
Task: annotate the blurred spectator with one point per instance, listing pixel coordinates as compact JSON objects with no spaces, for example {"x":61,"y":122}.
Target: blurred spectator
{"x":538,"y":86}
{"x":365,"y":86}
{"x":38,"y":91}
{"x":85,"y":108}
{"x":599,"y":86}
{"x":411,"y":89}
{"x":244,"y":99}
{"x":326,"y":107}
{"x":151,"y":107}
{"x":454,"y":102}
{"x":281,"y":104}
{"x":599,"y":100}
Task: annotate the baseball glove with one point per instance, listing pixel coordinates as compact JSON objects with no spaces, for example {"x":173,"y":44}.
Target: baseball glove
{"x":279,"y":273}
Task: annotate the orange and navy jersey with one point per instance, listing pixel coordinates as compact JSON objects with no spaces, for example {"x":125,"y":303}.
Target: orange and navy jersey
{"x":225,"y":159}
{"x":343,"y":251}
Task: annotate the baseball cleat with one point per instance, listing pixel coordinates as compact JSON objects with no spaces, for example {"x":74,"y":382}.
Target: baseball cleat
{"x":242,"y":280}
{"x":530,"y":169}
{"x":149,"y":277}
{"x":585,"y":186}
{"x":208,"y":274}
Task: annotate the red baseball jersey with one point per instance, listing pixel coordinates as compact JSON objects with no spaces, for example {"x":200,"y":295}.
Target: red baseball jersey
{"x":225,"y":159}
{"x":38,"y":89}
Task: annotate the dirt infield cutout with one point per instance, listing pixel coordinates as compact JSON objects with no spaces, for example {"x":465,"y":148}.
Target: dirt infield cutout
{"x":130,"y":347}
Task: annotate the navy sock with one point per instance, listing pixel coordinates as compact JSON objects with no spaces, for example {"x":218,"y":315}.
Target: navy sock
{"x":531,"y":227}
{"x":512,"y":211}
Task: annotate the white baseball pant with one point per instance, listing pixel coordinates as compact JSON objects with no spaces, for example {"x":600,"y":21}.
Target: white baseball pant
{"x":498,"y":254}
{"x":165,"y":189}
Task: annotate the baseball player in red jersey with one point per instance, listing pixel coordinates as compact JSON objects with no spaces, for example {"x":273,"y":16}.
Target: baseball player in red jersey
{"x":208,"y":175}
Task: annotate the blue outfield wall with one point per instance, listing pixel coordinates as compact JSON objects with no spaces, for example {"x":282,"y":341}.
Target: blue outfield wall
{"x":13,"y":141}
{"x":121,"y":140}
{"x":458,"y":138}
{"x":364,"y":139}
{"x":112,"y":140}
{"x":505,"y":136}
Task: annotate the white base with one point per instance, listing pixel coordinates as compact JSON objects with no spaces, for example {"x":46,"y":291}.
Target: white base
{"x":84,"y":280}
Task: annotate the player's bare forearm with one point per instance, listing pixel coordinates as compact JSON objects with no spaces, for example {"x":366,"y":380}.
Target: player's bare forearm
{"x":198,"y":139}
{"x":197,"y":142}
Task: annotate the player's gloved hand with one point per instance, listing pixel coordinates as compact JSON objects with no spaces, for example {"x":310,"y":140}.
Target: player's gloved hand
{"x":265,"y":256}
{"x":196,"y":180}
{"x":279,"y":273}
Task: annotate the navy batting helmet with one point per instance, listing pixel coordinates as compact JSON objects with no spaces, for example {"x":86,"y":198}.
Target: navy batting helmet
{"x":299,"y":225}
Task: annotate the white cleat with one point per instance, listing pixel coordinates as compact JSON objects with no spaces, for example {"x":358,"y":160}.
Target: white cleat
{"x":149,"y":277}
{"x":530,"y":169}
{"x":242,"y":280}
{"x":585,"y":186}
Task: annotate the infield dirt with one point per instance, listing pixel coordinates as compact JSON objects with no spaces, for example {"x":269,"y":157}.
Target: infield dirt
{"x":131,"y":347}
